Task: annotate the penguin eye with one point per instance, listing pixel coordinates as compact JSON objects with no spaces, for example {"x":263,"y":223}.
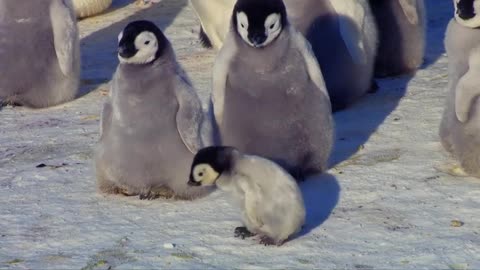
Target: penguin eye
{"x":200,"y":174}
{"x":272,"y":25}
{"x":147,"y":42}
{"x":243,"y":26}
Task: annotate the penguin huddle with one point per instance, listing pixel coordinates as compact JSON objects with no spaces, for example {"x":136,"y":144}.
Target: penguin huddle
{"x":282,"y":67}
{"x":352,"y":40}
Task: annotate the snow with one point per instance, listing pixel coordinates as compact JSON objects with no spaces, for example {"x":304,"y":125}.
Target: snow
{"x":385,"y":204}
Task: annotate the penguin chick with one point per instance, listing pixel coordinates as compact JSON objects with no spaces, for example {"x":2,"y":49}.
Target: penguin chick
{"x":401,"y":25}
{"x":269,"y":97}
{"x":39,"y":52}
{"x":460,"y":129}
{"x":271,"y":203}
{"x":151,"y":121}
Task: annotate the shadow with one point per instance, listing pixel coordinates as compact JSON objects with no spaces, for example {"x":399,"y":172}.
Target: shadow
{"x":355,"y":125}
{"x":345,"y":65}
{"x":99,"y":56}
{"x":320,"y":194}
{"x":439,"y":14}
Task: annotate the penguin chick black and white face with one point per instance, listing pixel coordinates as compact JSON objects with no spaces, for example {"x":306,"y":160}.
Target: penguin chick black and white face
{"x":141,"y":42}
{"x":466,"y":12}
{"x":209,"y":163}
{"x":259,"y":22}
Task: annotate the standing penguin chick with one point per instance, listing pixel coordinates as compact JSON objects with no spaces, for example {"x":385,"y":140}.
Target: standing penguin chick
{"x":150,"y":122}
{"x":271,"y":202}
{"x":40,"y":59}
{"x":268,"y":96}
{"x":401,"y":25}
{"x":460,"y":128}
{"x":344,"y":40}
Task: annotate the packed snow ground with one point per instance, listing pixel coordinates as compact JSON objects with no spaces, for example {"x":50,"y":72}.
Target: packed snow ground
{"x":385,"y":204}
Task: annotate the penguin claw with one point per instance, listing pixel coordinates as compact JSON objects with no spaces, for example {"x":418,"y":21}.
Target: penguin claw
{"x":148,"y":196}
{"x":267,"y":241}
{"x":243,"y":232}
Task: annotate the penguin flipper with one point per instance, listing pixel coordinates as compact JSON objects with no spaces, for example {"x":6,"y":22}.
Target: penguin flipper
{"x":313,"y":68}
{"x":65,"y":33}
{"x":465,"y":93}
{"x":189,"y":116}
{"x":409,"y":8}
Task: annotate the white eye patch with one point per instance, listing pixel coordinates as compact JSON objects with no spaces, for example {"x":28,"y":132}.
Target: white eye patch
{"x":272,"y":23}
{"x":146,"y":44}
{"x":242,"y":26}
{"x":205,"y":174}
{"x":273,"y":27}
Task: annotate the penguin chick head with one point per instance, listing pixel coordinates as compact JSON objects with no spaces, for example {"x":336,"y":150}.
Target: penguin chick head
{"x":141,"y":42}
{"x":210,"y":163}
{"x":259,"y":22}
{"x":466,"y":12}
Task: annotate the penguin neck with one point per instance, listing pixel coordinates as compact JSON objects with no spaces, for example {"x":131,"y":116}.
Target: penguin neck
{"x":226,"y":179}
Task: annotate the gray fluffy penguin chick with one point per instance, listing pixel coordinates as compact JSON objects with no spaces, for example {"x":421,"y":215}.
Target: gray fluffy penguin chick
{"x":401,"y":26}
{"x":40,"y":61}
{"x":269,"y":97}
{"x":150,"y":122}
{"x":344,"y":40}
{"x":271,"y":203}
{"x":460,"y":128}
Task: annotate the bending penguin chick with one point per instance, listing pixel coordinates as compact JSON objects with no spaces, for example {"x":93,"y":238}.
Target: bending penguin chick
{"x":40,"y":61}
{"x":401,"y":26}
{"x":268,"y":95}
{"x":271,"y":203}
{"x":460,"y":128}
{"x":150,"y":126}
{"x":347,"y":59}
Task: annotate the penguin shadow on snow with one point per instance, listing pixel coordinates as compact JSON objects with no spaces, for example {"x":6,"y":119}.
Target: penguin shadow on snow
{"x":320,"y":195}
{"x":355,"y":124}
{"x":99,"y":49}
{"x":438,"y":16}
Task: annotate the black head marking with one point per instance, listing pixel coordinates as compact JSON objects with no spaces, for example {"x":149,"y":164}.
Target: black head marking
{"x":126,"y":45}
{"x":257,"y":12}
{"x":218,"y":157}
{"x":465,"y":9}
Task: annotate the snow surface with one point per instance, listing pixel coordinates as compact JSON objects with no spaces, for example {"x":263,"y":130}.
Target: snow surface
{"x":384,"y":205}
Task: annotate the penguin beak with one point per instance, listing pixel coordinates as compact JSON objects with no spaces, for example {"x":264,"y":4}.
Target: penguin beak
{"x":257,"y":40}
{"x":193,"y":183}
{"x":126,"y":51}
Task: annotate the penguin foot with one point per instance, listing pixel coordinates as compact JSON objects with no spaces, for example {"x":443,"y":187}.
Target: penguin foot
{"x":148,"y":195}
{"x":452,"y":169}
{"x":243,"y":232}
{"x":267,"y":241}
